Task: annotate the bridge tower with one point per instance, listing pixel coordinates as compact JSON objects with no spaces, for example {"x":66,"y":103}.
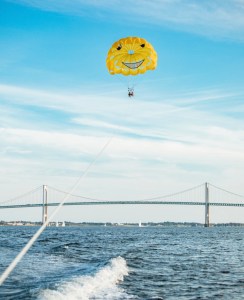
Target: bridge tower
{"x":44,"y":204}
{"x":206,"y":205}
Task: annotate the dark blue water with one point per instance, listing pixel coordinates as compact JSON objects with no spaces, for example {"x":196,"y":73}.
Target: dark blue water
{"x":125,"y":263}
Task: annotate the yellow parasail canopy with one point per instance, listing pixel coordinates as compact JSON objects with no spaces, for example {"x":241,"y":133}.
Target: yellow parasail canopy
{"x":131,"y":56}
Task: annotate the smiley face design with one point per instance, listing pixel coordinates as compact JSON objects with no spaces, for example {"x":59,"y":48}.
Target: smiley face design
{"x":131,"y":56}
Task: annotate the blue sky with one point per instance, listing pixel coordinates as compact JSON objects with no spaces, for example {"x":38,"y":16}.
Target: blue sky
{"x":59,"y":105}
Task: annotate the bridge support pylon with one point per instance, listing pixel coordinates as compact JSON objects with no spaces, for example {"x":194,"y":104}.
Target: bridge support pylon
{"x":44,"y":204}
{"x":206,"y":205}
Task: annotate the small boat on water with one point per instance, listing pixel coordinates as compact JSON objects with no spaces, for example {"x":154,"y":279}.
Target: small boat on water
{"x":57,"y":224}
{"x":63,"y":224}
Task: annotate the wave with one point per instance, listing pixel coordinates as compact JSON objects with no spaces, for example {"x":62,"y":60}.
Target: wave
{"x":103,"y":285}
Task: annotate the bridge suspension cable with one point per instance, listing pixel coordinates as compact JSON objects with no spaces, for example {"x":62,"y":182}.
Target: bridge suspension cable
{"x":195,"y":193}
{"x":33,"y":196}
{"x":218,"y":194}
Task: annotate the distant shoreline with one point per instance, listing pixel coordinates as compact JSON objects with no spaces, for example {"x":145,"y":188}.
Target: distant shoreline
{"x":111,"y":224}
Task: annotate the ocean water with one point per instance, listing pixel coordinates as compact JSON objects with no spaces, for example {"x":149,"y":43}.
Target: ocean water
{"x":125,"y":263}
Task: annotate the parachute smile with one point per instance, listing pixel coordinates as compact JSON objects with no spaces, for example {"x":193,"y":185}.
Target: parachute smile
{"x":134,"y":65}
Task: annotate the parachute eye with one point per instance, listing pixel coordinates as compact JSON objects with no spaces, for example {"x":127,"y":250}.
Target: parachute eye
{"x":119,"y":47}
{"x":142,"y":45}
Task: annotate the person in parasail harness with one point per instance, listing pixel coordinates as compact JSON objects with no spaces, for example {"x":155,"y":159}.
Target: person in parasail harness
{"x":130,"y":92}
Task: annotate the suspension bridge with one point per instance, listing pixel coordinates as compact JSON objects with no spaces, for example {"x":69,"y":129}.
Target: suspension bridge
{"x":205,"y":194}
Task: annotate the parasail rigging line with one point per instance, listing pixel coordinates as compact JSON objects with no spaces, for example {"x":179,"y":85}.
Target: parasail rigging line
{"x":22,"y":253}
{"x":25,"y":249}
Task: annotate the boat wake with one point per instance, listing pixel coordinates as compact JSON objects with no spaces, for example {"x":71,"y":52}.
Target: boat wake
{"x":103,"y":285}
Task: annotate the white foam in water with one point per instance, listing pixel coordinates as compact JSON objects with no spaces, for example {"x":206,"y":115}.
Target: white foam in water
{"x":103,"y":285}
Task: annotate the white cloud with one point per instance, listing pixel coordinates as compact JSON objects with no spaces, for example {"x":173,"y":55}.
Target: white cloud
{"x":105,"y":115}
{"x":212,"y":18}
{"x":157,"y":147}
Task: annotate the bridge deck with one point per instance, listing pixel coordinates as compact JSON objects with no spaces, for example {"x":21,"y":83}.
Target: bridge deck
{"x":123,"y":203}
